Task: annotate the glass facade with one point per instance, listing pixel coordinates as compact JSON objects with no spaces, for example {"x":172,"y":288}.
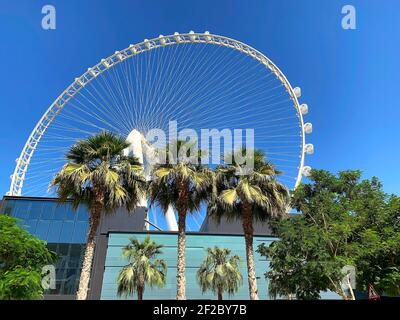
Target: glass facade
{"x":61,"y":227}
{"x":196,"y":244}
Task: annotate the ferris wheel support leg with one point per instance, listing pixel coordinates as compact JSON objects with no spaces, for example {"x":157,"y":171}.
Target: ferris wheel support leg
{"x":135,"y":138}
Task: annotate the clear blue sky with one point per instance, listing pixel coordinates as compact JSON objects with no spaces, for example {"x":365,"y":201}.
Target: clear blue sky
{"x":350,"y":78}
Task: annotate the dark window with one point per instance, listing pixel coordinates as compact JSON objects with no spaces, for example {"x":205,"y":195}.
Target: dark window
{"x":63,"y":255}
{"x":9,"y":207}
{"x":76,"y":254}
{"x":70,"y":281}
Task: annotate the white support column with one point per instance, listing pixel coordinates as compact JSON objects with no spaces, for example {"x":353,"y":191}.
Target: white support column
{"x":171,"y":219}
{"x":137,"y":144}
{"x":135,"y":149}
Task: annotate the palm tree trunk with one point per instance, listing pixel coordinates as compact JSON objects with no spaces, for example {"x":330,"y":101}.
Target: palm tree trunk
{"x":248,"y":237}
{"x":140,"y":291}
{"x":180,"y":275}
{"x":219,"y":295}
{"x":89,"y":253}
{"x":181,"y":265}
{"x":140,"y":287}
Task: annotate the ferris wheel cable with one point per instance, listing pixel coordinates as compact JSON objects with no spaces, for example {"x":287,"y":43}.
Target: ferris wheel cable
{"x":115,"y":76}
{"x":162,"y":105}
{"x":53,"y":160}
{"x":132,"y":97}
{"x":280,"y":142}
{"x":107,"y":85}
{"x":173,"y":75}
{"x":165,"y":106}
{"x":195,"y":84}
{"x":195,"y":220}
{"x":125,"y":99}
{"x":263,"y":121}
{"x":272,"y":96}
{"x":227,"y":122}
{"x":283,"y":160}
{"x":106,"y":103}
{"x":226,"y":119}
{"x":243,"y":110}
{"x":58,"y":126}
{"x":154,"y":105}
{"x":114,"y":99}
{"x":284,"y":153}
{"x":150,"y":81}
{"x":83,"y":121}
{"x":104,"y":111}
{"x":227,"y":84}
{"x":210,"y":82}
{"x":217,"y":98}
{"x":94,"y":115}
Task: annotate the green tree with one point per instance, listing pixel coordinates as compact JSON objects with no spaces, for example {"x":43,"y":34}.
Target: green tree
{"x":101,"y":177}
{"x":220,"y":272}
{"x":301,"y":265}
{"x":142,"y":268}
{"x":250,"y":195}
{"x":22,"y":257}
{"x":181,"y":182}
{"x":376,"y":238}
{"x":343,"y":221}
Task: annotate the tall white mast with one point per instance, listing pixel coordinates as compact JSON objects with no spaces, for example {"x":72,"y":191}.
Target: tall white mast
{"x":137,"y":142}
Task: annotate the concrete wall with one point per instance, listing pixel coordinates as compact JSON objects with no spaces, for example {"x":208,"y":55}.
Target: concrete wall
{"x":195,"y":252}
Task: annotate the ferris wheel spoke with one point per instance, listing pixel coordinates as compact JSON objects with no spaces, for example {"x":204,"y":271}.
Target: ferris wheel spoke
{"x":210,"y":84}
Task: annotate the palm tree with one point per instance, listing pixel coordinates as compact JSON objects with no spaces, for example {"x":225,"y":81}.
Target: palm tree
{"x":250,"y":195}
{"x":220,"y":272}
{"x":182,"y":184}
{"x":141,"y":269}
{"x":99,"y":176}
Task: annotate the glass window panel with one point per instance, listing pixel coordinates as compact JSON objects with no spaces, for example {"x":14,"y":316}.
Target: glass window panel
{"x":67,"y":232}
{"x":60,"y":276}
{"x":52,"y":247}
{"x":22,"y":209}
{"x":75,"y":256}
{"x":42,"y":229}
{"x":54,"y":231}
{"x":56,"y":290}
{"x":70,"y":214}
{"x":30,"y":225}
{"x":8,"y":207}
{"x":36,"y":209}
{"x":80,"y":232}
{"x":70,"y":281}
{"x":47,"y":210}
{"x":63,"y":249}
{"x":59,"y":211}
{"x":83,"y":213}
{"x":63,"y":252}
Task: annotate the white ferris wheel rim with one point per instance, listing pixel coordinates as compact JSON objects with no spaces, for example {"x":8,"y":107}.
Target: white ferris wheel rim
{"x":23,"y":161}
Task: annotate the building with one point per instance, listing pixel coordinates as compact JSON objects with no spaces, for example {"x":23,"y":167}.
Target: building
{"x":65,"y":230}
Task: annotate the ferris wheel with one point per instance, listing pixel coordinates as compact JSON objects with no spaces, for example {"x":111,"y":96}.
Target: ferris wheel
{"x":199,"y":80}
